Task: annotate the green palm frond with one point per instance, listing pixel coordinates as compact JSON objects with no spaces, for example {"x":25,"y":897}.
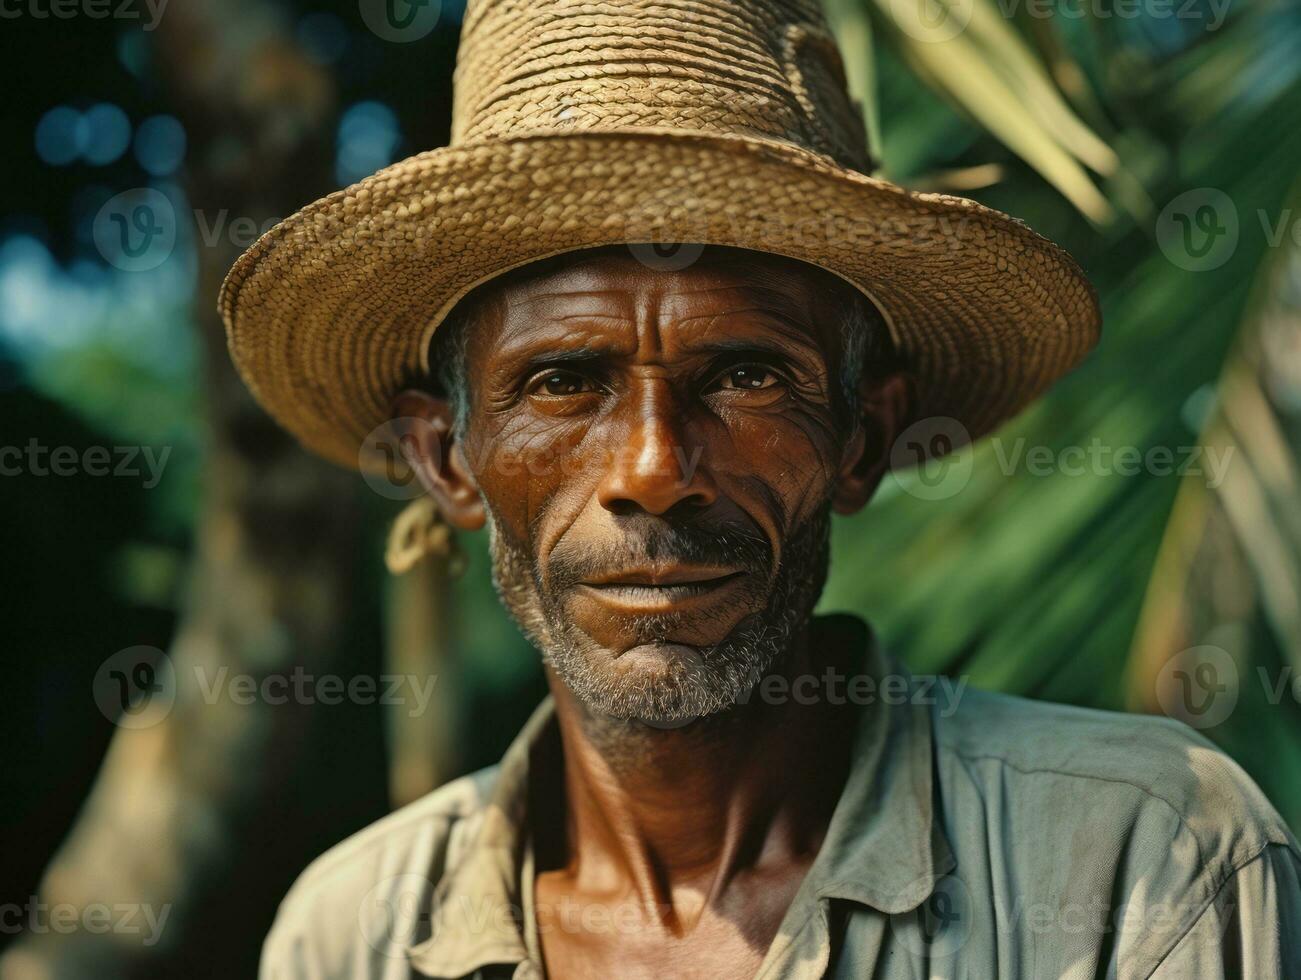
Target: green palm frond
{"x":1082,"y":586}
{"x":969,"y":52}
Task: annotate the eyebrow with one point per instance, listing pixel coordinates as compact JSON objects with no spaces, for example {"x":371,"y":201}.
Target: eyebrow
{"x":766,"y":349}
{"x":592,"y":354}
{"x":572,"y":355}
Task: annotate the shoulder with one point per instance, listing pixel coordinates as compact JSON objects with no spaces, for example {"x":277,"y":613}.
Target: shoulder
{"x":387,"y":869}
{"x":1147,"y":777}
{"x":1079,"y":812}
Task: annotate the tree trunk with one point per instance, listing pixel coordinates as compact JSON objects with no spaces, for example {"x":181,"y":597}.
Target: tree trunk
{"x":205,"y":816}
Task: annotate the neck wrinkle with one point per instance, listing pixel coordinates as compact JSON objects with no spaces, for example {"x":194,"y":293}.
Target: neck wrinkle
{"x":672,"y":816}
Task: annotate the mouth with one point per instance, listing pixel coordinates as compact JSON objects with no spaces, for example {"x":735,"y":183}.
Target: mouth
{"x":660,"y":588}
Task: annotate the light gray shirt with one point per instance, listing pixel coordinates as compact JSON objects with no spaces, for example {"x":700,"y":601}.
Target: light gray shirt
{"x":978,"y":835}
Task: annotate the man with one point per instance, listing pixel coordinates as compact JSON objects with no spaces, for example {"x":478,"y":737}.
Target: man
{"x":722,"y":784}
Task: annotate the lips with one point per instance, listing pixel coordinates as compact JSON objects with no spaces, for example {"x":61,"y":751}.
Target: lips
{"x":658,"y":589}
{"x":662,"y":575}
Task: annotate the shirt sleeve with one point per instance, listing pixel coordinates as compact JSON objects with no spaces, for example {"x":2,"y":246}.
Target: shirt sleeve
{"x":1252,"y":928}
{"x":287,"y":953}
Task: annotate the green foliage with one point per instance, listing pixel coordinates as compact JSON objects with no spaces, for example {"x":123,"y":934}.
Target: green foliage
{"x":1036,"y":583}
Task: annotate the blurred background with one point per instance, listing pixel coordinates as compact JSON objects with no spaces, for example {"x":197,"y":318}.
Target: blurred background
{"x":1132,"y":542}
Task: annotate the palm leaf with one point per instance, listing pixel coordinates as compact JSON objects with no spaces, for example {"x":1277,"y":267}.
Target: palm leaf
{"x":1081,"y":587}
{"x":967,"y":51}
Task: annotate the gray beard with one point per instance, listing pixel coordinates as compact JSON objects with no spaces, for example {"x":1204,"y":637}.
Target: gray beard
{"x":706,"y":681}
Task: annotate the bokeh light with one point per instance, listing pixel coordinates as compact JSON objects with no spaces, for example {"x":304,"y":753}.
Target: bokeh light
{"x":109,"y":134}
{"x":61,"y":136}
{"x":160,"y":145}
{"x":369,"y":137}
{"x":133,"y":51}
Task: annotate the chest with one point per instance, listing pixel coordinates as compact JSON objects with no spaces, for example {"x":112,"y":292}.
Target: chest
{"x":589,"y":936}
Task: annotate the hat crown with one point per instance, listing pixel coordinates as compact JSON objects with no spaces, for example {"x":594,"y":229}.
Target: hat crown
{"x":766,"y":69}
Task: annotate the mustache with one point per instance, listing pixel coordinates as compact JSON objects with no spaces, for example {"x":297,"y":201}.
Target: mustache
{"x":726,"y":544}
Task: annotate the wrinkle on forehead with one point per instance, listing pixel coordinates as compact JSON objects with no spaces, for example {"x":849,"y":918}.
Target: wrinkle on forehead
{"x":710,"y":272}
{"x":695,"y":301}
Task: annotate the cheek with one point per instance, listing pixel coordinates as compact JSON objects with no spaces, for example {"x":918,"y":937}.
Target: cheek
{"x":538,"y":474}
{"x":789,"y":458}
{"x":527,"y":468}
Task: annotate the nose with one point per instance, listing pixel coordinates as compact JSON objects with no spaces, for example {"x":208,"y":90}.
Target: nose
{"x":655,"y":470}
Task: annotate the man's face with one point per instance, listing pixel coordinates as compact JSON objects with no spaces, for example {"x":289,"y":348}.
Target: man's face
{"x":657,"y":453}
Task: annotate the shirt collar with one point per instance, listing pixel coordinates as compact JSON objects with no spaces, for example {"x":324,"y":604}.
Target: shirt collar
{"x":883,"y":847}
{"x":478,"y":905}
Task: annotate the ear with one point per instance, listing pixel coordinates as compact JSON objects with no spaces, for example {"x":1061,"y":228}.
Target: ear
{"x":427,"y":434}
{"x":883,"y":406}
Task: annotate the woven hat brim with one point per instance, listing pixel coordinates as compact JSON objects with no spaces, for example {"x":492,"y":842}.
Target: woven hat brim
{"x":330,"y":313}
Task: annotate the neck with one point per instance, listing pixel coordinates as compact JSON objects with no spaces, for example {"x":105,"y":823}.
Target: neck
{"x":649,"y":810}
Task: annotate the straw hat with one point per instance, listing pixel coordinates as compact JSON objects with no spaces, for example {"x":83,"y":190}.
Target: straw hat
{"x":579,"y":123}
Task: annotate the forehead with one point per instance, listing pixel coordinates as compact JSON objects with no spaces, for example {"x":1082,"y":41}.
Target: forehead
{"x":714,"y":274}
{"x":746,"y":289}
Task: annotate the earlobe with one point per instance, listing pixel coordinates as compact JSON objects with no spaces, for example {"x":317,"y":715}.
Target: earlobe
{"x":883,"y":408}
{"x":425,"y":428}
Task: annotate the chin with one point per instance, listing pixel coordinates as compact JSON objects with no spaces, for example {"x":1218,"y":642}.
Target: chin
{"x":661,"y":682}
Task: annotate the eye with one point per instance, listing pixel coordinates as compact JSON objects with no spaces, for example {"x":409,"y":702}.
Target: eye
{"x":747,"y":377}
{"x":557,"y":382}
